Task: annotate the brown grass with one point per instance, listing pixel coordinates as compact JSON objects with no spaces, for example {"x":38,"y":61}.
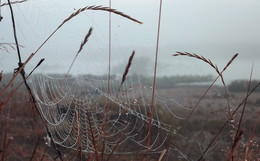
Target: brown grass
{"x":239,"y":133}
{"x":127,"y":68}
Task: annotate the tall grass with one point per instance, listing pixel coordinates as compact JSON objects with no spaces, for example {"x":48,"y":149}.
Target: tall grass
{"x":234,"y":152}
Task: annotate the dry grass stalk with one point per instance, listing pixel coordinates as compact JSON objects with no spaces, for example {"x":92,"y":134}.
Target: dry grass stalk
{"x":236,"y":140}
{"x":207,"y":90}
{"x":137,"y":153}
{"x":35,"y":147}
{"x":162,"y":155}
{"x":150,"y":113}
{"x":16,"y":74}
{"x":237,"y":135}
{"x":90,"y":158}
{"x":250,"y":142}
{"x":73,"y":156}
{"x":109,"y":78}
{"x":99,"y":8}
{"x":227,"y":121}
{"x":5,"y":150}
{"x":115,"y":147}
{"x":208,"y":61}
{"x":77,"y":126}
{"x":15,"y":36}
{"x":85,"y":39}
{"x":233,"y":58}
{"x":1,"y":76}
{"x":11,"y":94}
{"x":15,"y":2}
{"x":130,"y":60}
{"x":93,"y":137}
{"x":80,"y":48}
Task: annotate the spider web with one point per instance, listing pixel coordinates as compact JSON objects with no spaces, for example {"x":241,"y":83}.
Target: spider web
{"x":74,"y":105}
{"x":75,"y":109}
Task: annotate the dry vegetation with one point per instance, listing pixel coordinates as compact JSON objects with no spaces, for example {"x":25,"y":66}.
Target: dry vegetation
{"x":220,"y":126}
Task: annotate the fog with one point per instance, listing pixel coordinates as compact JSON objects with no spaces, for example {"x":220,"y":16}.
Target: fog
{"x":215,"y":29}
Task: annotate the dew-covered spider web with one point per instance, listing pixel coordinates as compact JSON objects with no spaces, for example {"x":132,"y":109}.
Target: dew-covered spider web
{"x":86,"y":107}
{"x":79,"y":108}
{"x":75,"y":109}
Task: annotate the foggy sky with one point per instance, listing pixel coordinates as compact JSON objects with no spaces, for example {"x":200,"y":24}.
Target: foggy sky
{"x":214,"y":29}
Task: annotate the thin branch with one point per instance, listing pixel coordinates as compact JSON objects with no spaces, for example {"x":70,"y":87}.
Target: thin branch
{"x":15,"y":36}
{"x":15,"y":2}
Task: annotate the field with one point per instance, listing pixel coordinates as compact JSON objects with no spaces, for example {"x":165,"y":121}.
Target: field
{"x":24,"y":133}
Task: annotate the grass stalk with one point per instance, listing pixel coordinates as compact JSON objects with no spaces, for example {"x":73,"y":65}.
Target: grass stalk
{"x":150,"y":114}
{"x":108,"y":79}
{"x":237,"y":136}
{"x":83,"y":43}
{"x":130,"y":60}
{"x":93,"y":137}
{"x":223,"y":126}
{"x":95,"y":8}
{"x":35,"y":147}
{"x":208,"y":61}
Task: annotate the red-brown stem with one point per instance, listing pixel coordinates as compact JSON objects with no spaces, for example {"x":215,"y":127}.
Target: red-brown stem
{"x":93,"y":137}
{"x":79,"y":138}
{"x":4,"y":147}
{"x":150,"y":114}
{"x":241,"y":118}
{"x":35,"y":147}
{"x":73,"y":155}
{"x":80,"y":153}
{"x":247,"y":157}
{"x":115,"y":146}
{"x":201,"y":98}
{"x":89,"y":158}
{"x":42,"y":157}
{"x":195,"y":107}
{"x":221,"y":129}
{"x":137,"y":153}
{"x":108,"y":81}
{"x":11,"y":94}
{"x":6,"y":143}
{"x":66,"y":20}
{"x":235,"y":144}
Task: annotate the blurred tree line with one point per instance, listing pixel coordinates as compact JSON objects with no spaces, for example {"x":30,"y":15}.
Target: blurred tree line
{"x":242,"y":85}
{"x":172,"y":81}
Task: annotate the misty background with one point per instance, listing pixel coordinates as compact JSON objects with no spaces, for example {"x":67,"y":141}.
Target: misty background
{"x":215,"y":29}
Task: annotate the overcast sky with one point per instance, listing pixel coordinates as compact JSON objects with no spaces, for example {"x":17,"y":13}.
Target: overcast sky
{"x":216,"y":29}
